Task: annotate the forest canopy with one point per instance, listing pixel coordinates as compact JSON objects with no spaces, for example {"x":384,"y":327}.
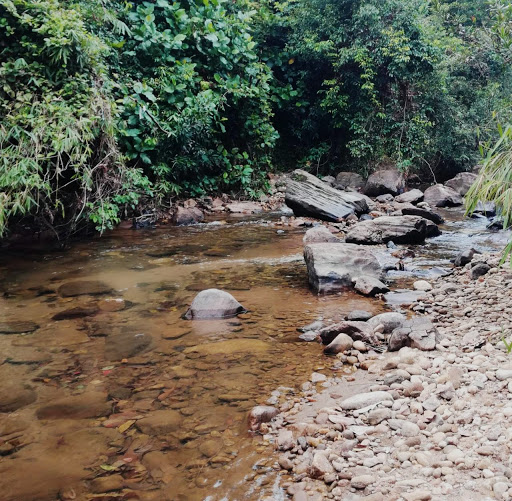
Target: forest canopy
{"x":108,"y":106}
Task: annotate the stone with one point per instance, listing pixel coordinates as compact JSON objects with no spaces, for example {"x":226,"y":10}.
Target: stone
{"x":423,"y":340}
{"x":100,"y":485}
{"x":333,"y":267}
{"x":210,"y":448}
{"x":464,"y":257}
{"x":387,"y":197}
{"x":504,"y":374}
{"x":161,"y":422}
{"x":422,"y":285}
{"x":429,"y":215}
{"x":285,"y":440}
{"x":86,"y":405}
{"x":370,"y":286}
{"x":384,"y":181}
{"x":390,"y":321}
{"x":184,"y":216}
{"x":365,"y":399}
{"x":112,"y":304}
{"x":412,"y":196}
{"x":399,"y":229}
{"x":479,"y":270}
{"x":398,"y":339}
{"x":349,"y":180}
{"x":127,"y":344}
{"x":362,"y":481}
{"x":342,"y":342}
{"x":376,"y":416}
{"x":308,"y":196}
{"x":418,"y":495}
{"x":84,"y":288}
{"x":358,"y":331}
{"x":14,"y":396}
{"x":261,"y":414}
{"x":214,"y":303}
{"x":319,"y":234}
{"x":461,"y":182}
{"x":76,"y":312}
{"x":487,"y":209}
{"x":244,"y":208}
{"x":320,"y":466}
{"x":359,"y":346}
{"x":442,"y":196}
{"x":17,"y":327}
{"x":359,"y":315}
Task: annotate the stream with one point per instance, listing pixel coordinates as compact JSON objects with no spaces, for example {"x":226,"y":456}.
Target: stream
{"x":131,"y":345}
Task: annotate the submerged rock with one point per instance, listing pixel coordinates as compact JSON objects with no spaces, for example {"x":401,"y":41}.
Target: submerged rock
{"x":77,"y":312}
{"x":442,"y":196}
{"x":307,"y":195}
{"x":334,"y":267}
{"x":86,"y":405}
{"x":384,"y":181}
{"x":244,"y":207}
{"x":213,"y":303}
{"x":17,"y":327}
{"x":126,"y":344}
{"x":83,"y":288}
{"x":160,"y":422}
{"x":399,"y":229}
{"x":14,"y":396}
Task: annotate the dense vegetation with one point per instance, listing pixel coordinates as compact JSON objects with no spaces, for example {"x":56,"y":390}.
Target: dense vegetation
{"x":108,"y":106}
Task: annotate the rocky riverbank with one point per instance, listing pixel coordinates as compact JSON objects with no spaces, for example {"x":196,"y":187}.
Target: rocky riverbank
{"x":415,"y":425}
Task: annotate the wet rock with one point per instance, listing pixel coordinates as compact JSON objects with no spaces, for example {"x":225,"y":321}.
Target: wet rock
{"x":160,"y":422}
{"x":357,"y":331}
{"x":413,"y":196}
{"x":384,"y":181}
{"x":349,"y":180}
{"x":370,"y":286}
{"x":11,"y":424}
{"x":111,"y":483}
{"x":307,"y":196}
{"x":214,"y":303}
{"x":210,"y":448}
{"x":442,"y":196}
{"x":487,"y":209}
{"x":313,"y":326}
{"x":83,"y":288}
{"x":14,"y":396}
{"x":244,"y":208}
{"x":77,"y":312}
{"x":399,"y":229}
{"x":365,"y":399}
{"x":464,"y":257}
{"x":261,"y":414}
{"x":424,"y":213}
{"x":341,"y":343}
{"x":359,"y":315}
{"x":389,"y":321}
{"x":309,"y":336}
{"x":333,"y":267}
{"x":479,"y":270}
{"x":17,"y":327}
{"x":127,"y":344}
{"x":184,"y":216}
{"x":319,"y":234}
{"x":86,"y":405}
{"x":461,"y":182}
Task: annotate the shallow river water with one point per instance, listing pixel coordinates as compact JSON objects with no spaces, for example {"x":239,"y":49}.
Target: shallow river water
{"x":130,"y":346}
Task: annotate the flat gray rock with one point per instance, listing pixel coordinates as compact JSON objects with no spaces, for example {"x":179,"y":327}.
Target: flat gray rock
{"x":364,"y":400}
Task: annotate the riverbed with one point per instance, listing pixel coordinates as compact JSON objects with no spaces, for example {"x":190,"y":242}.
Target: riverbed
{"x":132,"y":345}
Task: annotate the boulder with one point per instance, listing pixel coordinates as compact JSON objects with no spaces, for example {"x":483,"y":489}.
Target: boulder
{"x":412,"y":196}
{"x":442,"y":196}
{"x":432,"y":229}
{"x":390,"y":321}
{"x":384,"y":181}
{"x":330,"y":180}
{"x":83,"y":288}
{"x":350,"y":180}
{"x":399,"y":229}
{"x":261,"y":414}
{"x":424,"y":213}
{"x":319,"y":234}
{"x":461,"y":182}
{"x":357,"y":331}
{"x":333,"y":267}
{"x":370,"y":286}
{"x":307,"y":196}
{"x":76,"y":312}
{"x":213,"y":303}
{"x":184,"y":216}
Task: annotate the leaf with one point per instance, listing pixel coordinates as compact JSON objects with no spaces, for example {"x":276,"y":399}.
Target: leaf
{"x":125,"y":426}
